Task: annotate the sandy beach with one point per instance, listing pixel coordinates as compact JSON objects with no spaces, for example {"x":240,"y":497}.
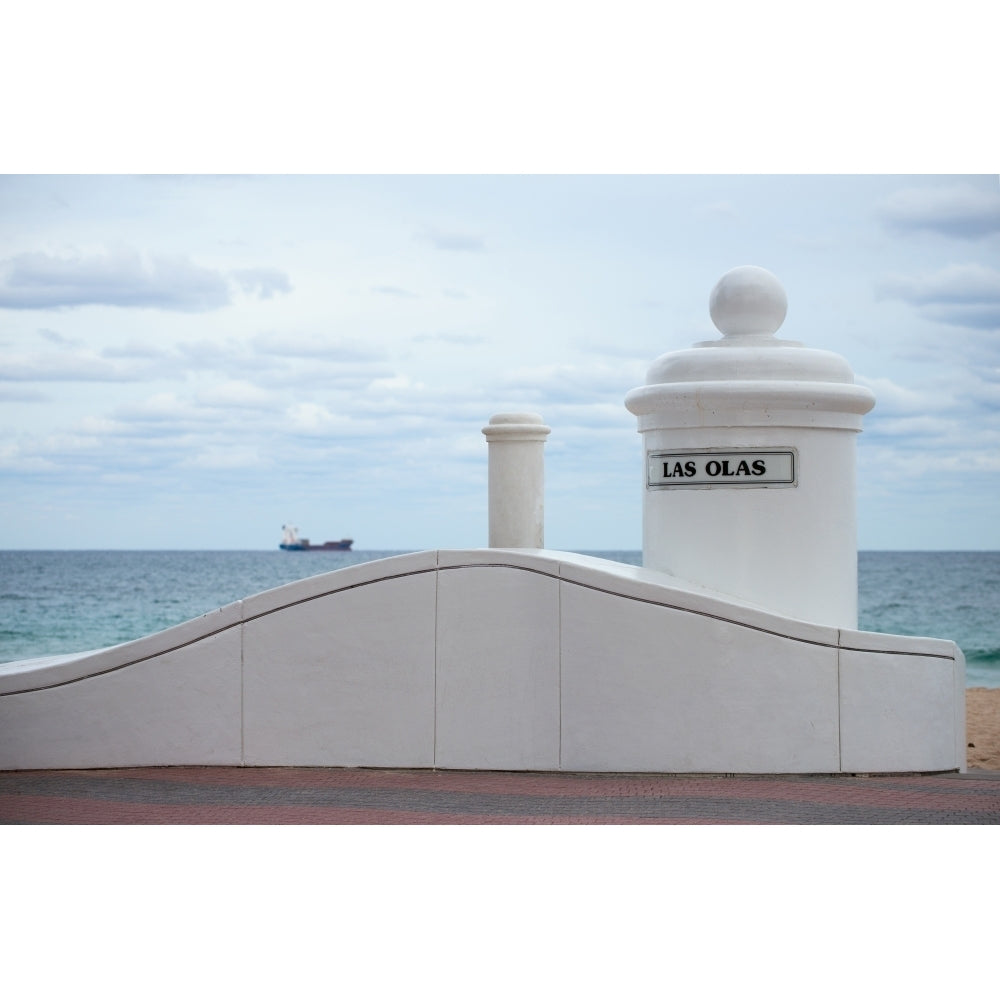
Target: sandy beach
{"x":982,"y":727}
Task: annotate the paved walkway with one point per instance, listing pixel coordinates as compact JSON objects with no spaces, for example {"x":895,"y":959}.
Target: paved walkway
{"x":271,"y":795}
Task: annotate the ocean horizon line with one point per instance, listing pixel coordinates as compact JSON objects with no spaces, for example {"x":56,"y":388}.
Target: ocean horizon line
{"x":426,"y":549}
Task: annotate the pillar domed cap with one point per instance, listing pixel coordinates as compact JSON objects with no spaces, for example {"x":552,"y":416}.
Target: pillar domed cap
{"x":748,"y":304}
{"x":748,"y":301}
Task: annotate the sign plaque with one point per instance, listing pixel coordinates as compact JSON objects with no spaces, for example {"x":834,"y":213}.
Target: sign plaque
{"x":667,"y":470}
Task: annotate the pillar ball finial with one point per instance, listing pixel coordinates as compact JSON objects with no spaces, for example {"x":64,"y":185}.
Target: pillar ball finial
{"x":748,"y":301}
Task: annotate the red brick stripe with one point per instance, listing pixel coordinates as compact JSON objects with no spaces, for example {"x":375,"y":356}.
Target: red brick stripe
{"x":209,"y":795}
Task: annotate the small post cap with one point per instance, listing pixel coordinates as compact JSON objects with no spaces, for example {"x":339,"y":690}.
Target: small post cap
{"x":516,"y":427}
{"x":516,"y":418}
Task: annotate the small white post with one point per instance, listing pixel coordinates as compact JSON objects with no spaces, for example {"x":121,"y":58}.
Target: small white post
{"x":516,"y":480}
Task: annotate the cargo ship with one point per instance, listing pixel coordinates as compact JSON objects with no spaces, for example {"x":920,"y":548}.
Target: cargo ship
{"x":291,"y":542}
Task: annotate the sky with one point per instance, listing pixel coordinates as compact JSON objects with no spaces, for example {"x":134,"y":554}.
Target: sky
{"x":259,"y":270}
{"x":189,"y":362}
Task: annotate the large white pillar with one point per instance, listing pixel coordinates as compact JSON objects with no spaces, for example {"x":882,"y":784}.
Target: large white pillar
{"x":749,"y":460}
{"x":517,"y":480}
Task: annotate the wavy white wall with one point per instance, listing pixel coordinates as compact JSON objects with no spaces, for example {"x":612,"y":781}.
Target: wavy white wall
{"x":494,"y":659}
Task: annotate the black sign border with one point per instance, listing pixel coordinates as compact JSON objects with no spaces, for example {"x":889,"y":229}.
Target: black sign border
{"x":723,"y":485}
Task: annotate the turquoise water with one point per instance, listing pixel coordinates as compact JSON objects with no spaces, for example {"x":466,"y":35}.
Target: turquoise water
{"x":65,"y":602}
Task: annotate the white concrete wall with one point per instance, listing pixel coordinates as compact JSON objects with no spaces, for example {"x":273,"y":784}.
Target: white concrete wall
{"x":171,"y":698}
{"x":497,"y":667}
{"x":495,"y":659}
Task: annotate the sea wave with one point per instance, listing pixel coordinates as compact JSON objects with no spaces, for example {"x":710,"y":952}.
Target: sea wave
{"x":982,"y":657}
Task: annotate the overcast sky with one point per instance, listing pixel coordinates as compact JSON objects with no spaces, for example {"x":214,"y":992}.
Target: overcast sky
{"x":192,"y":361}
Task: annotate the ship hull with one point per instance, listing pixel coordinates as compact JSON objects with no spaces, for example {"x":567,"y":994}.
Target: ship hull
{"x":344,"y":545}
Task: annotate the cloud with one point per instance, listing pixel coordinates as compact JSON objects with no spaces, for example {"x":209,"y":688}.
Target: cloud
{"x":158,"y":407}
{"x":65,"y":367}
{"x":227,"y":457}
{"x":450,"y":241}
{"x":587,"y":383}
{"x":296,"y":345}
{"x":54,"y":337}
{"x":980,"y":317}
{"x":961,"y":295}
{"x":134,"y":349}
{"x":221,"y":356}
{"x":269,"y":360}
{"x":921,"y":438}
{"x":238,"y":395}
{"x":958,"y":283}
{"x":900,"y":400}
{"x":10,"y":394}
{"x":262,"y":281}
{"x":963,"y":212}
{"x":402,"y":293}
{"x":394,"y":383}
{"x":317,"y":419}
{"x":121,"y":278}
{"x":460,"y":339}
{"x":637,"y":354}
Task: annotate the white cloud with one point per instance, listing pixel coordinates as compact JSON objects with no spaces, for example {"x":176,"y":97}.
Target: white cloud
{"x":228,"y":457}
{"x":158,"y":407}
{"x":99,"y":425}
{"x":960,"y":211}
{"x":238,"y":395}
{"x":395,"y":383}
{"x":55,"y":337}
{"x":226,"y":355}
{"x":298,"y":345}
{"x":892,"y":398}
{"x":135,"y":349}
{"x":442,"y":240}
{"x":15,"y":458}
{"x":121,"y":277}
{"x":15,"y":394}
{"x":957,"y":283}
{"x":586,"y":382}
{"x":310,"y":417}
{"x":65,"y":367}
{"x":458,"y":339}
{"x":959,"y":294}
{"x":264,"y":282}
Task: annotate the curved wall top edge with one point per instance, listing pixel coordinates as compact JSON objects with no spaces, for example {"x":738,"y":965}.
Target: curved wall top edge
{"x":616,"y":579}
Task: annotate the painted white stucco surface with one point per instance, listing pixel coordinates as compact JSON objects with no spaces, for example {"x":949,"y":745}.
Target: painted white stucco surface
{"x":495,"y":659}
{"x":348,"y":676}
{"x":181,"y":706}
{"x":516,"y":480}
{"x":792,"y":546}
{"x":497,"y":668}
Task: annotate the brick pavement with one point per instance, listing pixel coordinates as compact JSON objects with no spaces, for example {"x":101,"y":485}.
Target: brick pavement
{"x":303,"y":795}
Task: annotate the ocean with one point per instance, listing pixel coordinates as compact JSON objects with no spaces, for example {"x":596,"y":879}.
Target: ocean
{"x":65,"y":602}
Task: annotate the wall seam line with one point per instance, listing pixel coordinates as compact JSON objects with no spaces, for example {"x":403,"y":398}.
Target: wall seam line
{"x":243,"y":684}
{"x":559,"y":633}
{"x":840,"y":710}
{"x":437,"y":584}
